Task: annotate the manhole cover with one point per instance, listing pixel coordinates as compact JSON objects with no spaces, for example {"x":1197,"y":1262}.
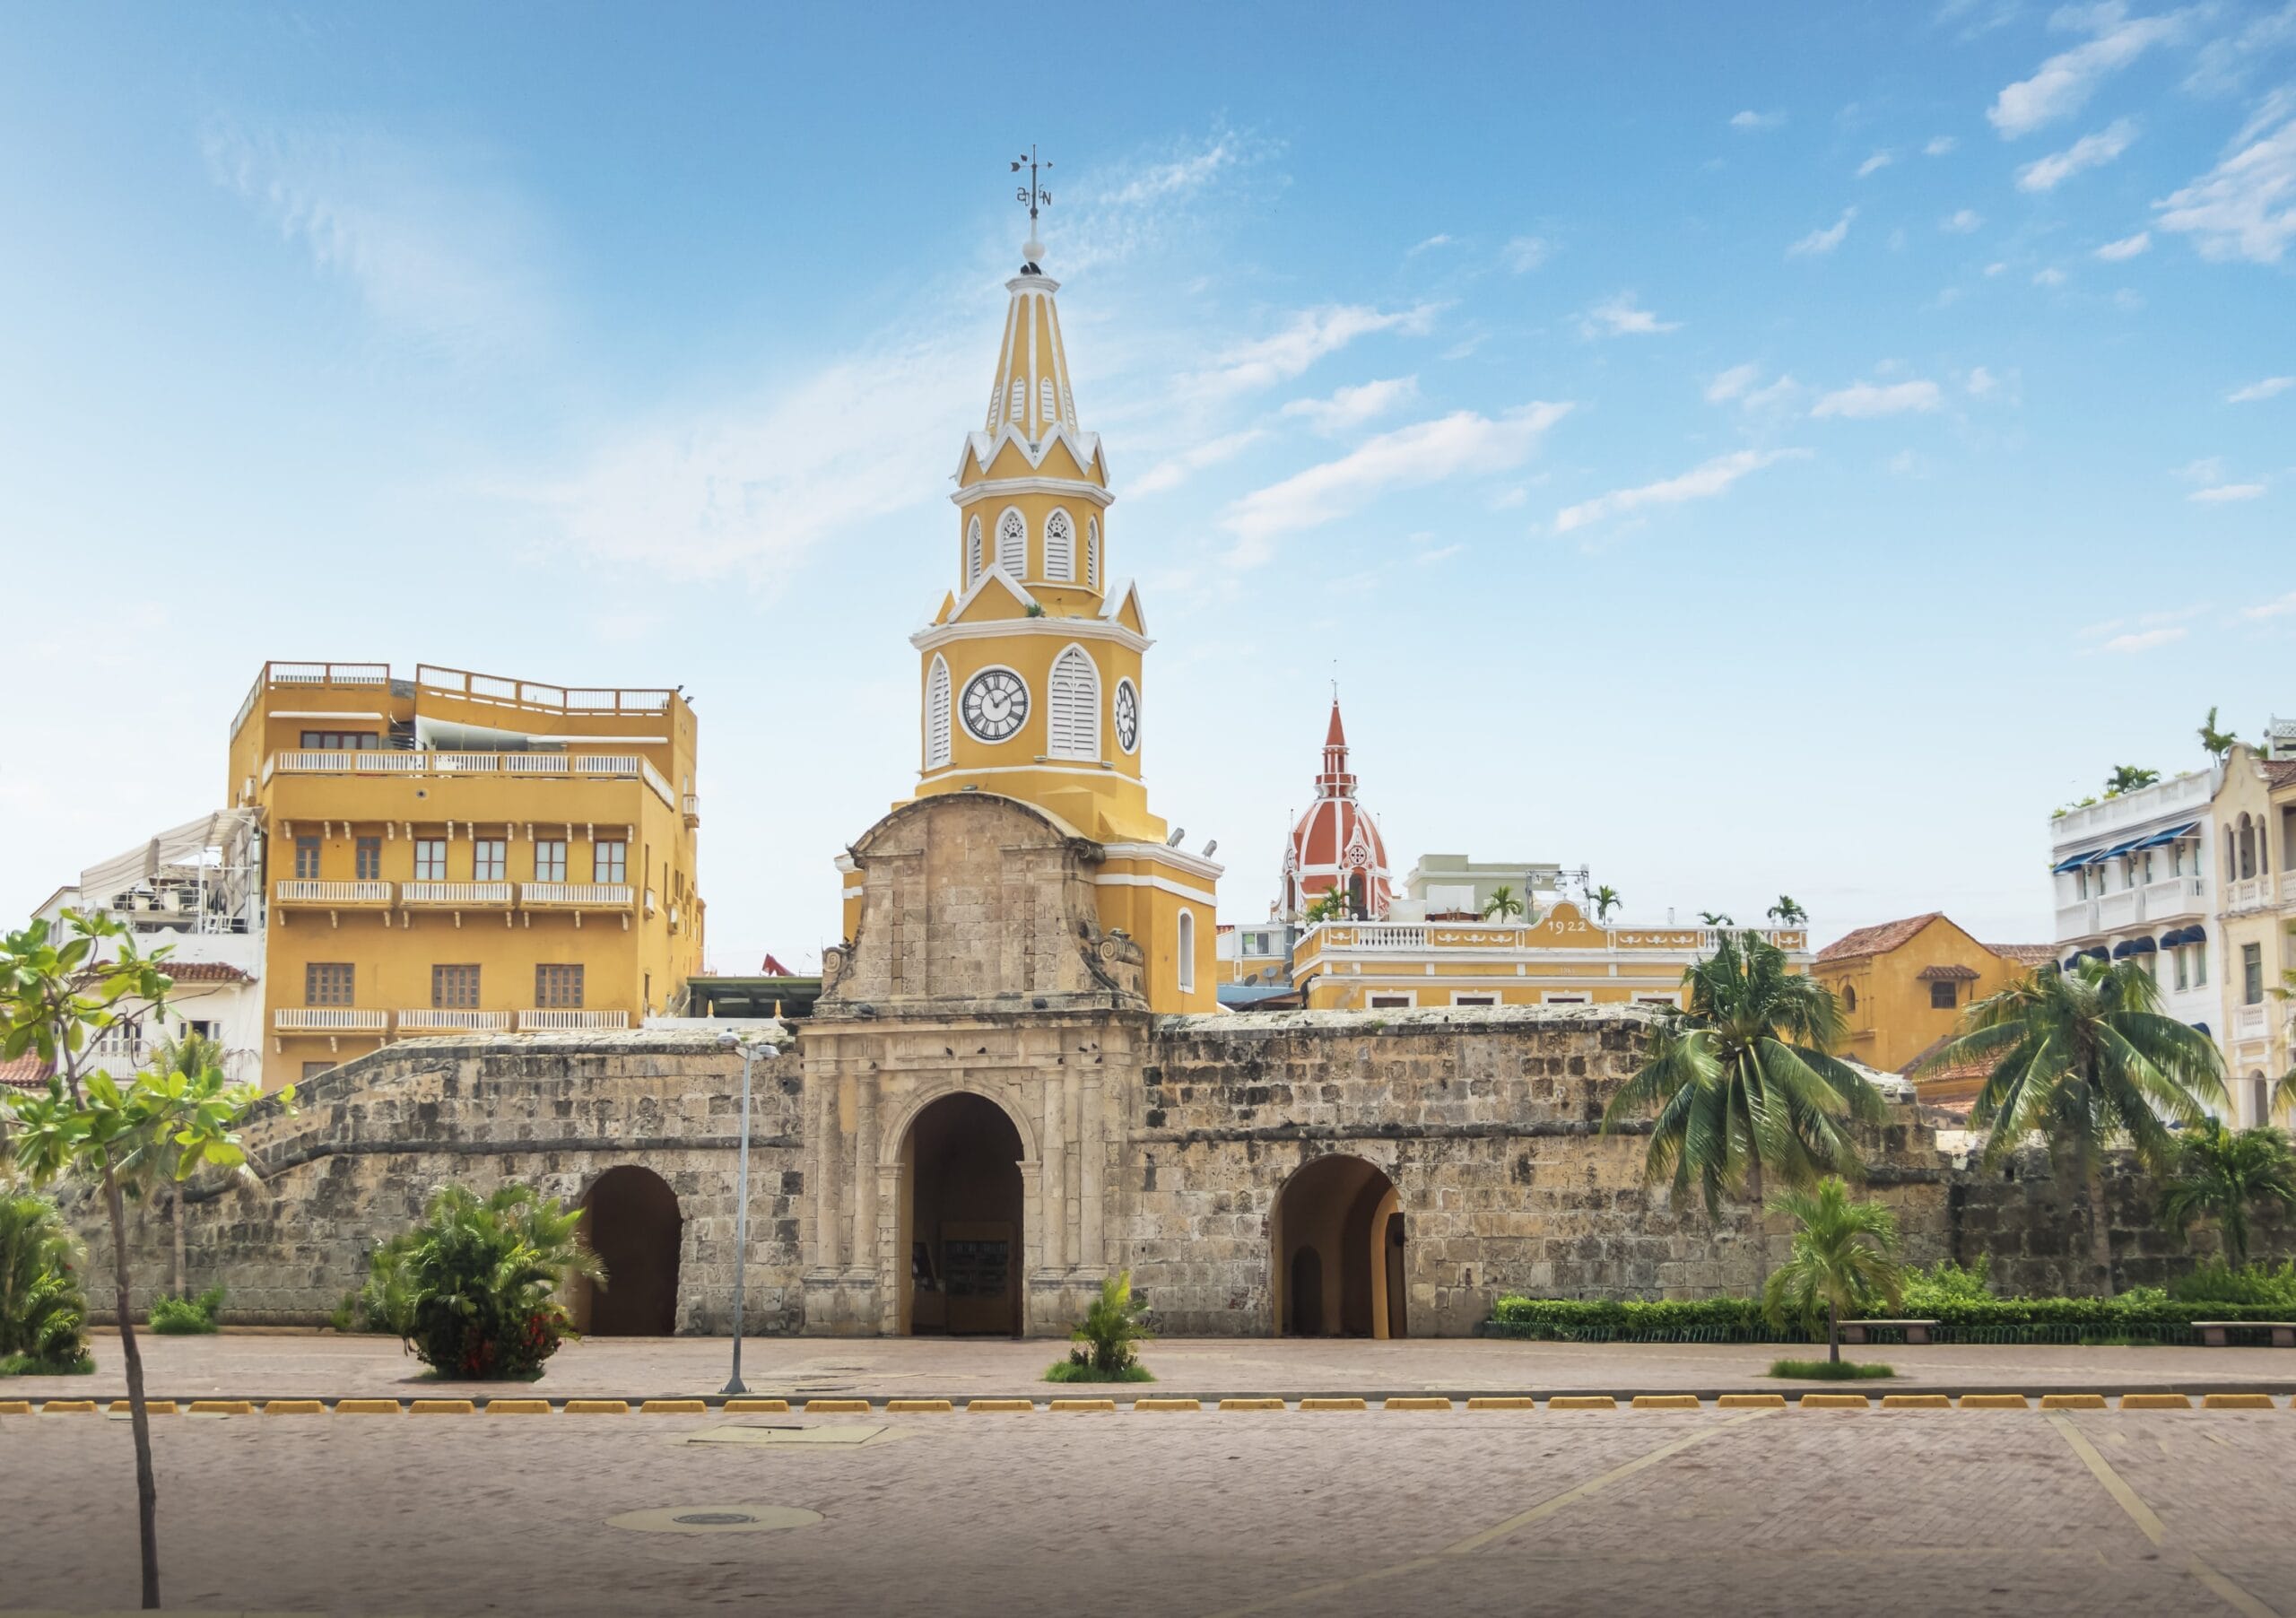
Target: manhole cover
{"x":715,"y":1520}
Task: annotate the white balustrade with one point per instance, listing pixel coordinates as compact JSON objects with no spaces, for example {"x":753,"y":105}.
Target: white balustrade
{"x":2178,"y":896}
{"x":2251,"y":893}
{"x":546,"y":1022}
{"x":2116,"y":909}
{"x":2077,"y":919}
{"x":2251,"y":1022}
{"x":575,"y":895}
{"x":468,"y":893}
{"x":329,"y":1020}
{"x":433,"y":1021}
{"x":296,"y":890}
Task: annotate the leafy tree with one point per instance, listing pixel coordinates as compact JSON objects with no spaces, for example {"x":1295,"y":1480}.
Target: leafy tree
{"x":1331,"y":906}
{"x":1786,"y":913}
{"x":2221,"y":1174}
{"x":2217,"y":741}
{"x":2082,"y":1057}
{"x":1503,"y":904}
{"x":1717,"y":919}
{"x":1844,"y":1259}
{"x":1606,"y":899}
{"x":57,"y":995}
{"x":472,"y":1288}
{"x":1108,"y":1337}
{"x":2128,"y":777}
{"x":43,"y":1315}
{"x":1740,"y":1084}
{"x":191,"y":1055}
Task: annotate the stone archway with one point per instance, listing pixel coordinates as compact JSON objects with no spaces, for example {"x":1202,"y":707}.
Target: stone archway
{"x":1337,"y":1255}
{"x":963,"y":1242}
{"x":631,"y":1220}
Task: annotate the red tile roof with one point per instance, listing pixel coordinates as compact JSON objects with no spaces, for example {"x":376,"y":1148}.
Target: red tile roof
{"x":2031,"y":954}
{"x":204,"y":971}
{"x":1879,"y":939}
{"x":2279,"y":772}
{"x":27,"y":1072}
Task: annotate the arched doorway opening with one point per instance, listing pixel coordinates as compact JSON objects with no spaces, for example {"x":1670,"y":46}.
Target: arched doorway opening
{"x":961,"y":1224}
{"x":630,"y":1220}
{"x":1339,"y":1261}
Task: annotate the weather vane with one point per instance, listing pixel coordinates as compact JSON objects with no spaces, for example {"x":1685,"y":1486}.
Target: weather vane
{"x":1032,"y":197}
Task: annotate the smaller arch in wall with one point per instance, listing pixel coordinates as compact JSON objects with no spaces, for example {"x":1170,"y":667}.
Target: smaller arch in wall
{"x":1338,"y":1260}
{"x":631,"y":1220}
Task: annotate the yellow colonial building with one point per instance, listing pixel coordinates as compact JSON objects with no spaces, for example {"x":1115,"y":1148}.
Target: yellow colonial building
{"x":2254,"y":814}
{"x":1904,"y":984}
{"x":1031,"y":682}
{"x":461,"y":852}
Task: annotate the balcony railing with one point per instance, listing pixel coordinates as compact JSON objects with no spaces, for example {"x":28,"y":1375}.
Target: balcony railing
{"x":546,"y":1022}
{"x":2117,"y":910}
{"x":594,"y":766}
{"x":329,"y":1020}
{"x":1389,"y":938}
{"x":432,"y":1021}
{"x":2182,"y":792}
{"x":575,"y":895}
{"x":2077,"y":919}
{"x":2251,"y":1022}
{"x":462,"y":895}
{"x":497,"y":691}
{"x":331,"y":895}
{"x":2251,"y":893}
{"x":2178,"y":896}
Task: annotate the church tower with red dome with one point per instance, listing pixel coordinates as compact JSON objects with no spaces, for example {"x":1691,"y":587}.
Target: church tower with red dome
{"x":1337,"y":847}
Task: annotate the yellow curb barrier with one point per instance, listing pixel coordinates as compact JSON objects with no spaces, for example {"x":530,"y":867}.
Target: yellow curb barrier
{"x":1080,"y":1406}
{"x":2072,"y":1401}
{"x":2236,"y":1400}
{"x":441,"y":1407}
{"x":1666,"y":1401}
{"x":1416,"y":1402}
{"x":1992,"y":1401}
{"x":1169,"y":1406}
{"x":919,"y":1406}
{"x":286,"y":1407}
{"x":1252,"y":1403}
{"x":365,"y":1407}
{"x":1834,"y":1401}
{"x":1333,"y":1405}
{"x":1582,"y":1401}
{"x":675,"y":1407}
{"x":757,"y":1407}
{"x":15,"y":1407}
{"x":1750,"y":1401}
{"x":1002,"y":1407}
{"x":67,"y":1408}
{"x":1916,"y":1401}
{"x":596,"y":1407}
{"x":150,"y":1407}
{"x":1503,"y":1402}
{"x":2155,"y":1401}
{"x":836,"y":1408}
{"x":218,"y":1407}
{"x":518,"y":1406}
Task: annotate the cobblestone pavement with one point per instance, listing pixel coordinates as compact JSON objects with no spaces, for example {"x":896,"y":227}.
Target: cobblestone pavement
{"x":261,"y":1364}
{"x":1622,"y":1512}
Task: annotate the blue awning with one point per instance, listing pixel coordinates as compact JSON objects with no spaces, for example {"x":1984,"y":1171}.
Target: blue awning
{"x":2063,"y":866}
{"x":2071,"y":962}
{"x":2170,"y":836}
{"x":2201,"y":1028}
{"x":2094,"y":952}
{"x":2135,"y":947}
{"x":2182,"y":935}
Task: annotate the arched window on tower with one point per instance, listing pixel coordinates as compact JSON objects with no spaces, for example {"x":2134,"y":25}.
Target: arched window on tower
{"x":936,"y":715}
{"x":1093,"y":552}
{"x":1060,"y":548}
{"x":1075,"y":706}
{"x":973,"y":553}
{"x":1013,"y":544}
{"x":1185,"y":948}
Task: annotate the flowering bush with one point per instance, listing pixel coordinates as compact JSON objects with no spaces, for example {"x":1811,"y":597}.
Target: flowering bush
{"x":472,"y":1289}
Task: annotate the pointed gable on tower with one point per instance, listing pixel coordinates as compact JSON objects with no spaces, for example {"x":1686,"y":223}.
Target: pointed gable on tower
{"x":1335,"y":846}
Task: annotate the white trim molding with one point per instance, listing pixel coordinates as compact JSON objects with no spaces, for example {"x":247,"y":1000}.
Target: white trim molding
{"x":1179,"y":859}
{"x":934,"y":635}
{"x":1126,"y":879}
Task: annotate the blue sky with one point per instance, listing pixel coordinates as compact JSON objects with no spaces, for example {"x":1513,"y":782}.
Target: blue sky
{"x":1739,"y":450}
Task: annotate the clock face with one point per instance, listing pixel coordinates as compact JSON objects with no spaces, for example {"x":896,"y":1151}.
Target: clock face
{"x":995,"y":705}
{"x":1127,"y":716}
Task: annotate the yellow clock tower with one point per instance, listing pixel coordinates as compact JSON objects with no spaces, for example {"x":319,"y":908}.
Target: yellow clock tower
{"x":1029,"y":671}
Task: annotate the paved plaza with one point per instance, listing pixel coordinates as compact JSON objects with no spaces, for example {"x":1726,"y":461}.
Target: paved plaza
{"x":1625,"y":1511}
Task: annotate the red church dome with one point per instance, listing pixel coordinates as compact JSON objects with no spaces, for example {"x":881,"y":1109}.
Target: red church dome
{"x":1336,"y":846}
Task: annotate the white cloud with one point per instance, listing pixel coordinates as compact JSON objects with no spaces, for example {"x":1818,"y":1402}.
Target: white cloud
{"x":1996,"y":269}
{"x":1429,"y":245}
{"x":1904,"y":463}
{"x":1939,"y":145}
{"x":1825,"y":240}
{"x":1622,"y":316}
{"x":1876,"y":163}
{"x":1778,"y":396}
{"x":1981,"y":382}
{"x":1703,"y":482}
{"x":2127,"y":246}
{"x":1757,"y":120}
{"x":2245,"y":207}
{"x":2224,"y":65}
{"x":2208,"y":469}
{"x":2280,"y":608}
{"x":1311,"y":335}
{"x":1353,"y":406}
{"x":1175,"y":470}
{"x":2090,"y":151}
{"x":2270,"y":387}
{"x":1524,"y":253}
{"x":1961,"y":221}
{"x":1426,"y":452}
{"x":2051,"y":276}
{"x":2219,"y":494}
{"x":1863,"y":400}
{"x":2142,"y":640}
{"x":2063,"y":84}
{"x":1182,"y":177}
{"x":1732,"y":383}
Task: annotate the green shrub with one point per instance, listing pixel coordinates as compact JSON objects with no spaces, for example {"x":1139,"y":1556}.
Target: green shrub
{"x":1075,"y":1370}
{"x":1947,"y":1284}
{"x":43,"y":1315}
{"x":471,"y":1288}
{"x":2257,"y":1284}
{"x":1108,"y":1338}
{"x":1829,"y":1371}
{"x":186,"y":1317}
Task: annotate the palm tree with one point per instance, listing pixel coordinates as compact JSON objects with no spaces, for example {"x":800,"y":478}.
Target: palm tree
{"x":1717,"y":919}
{"x":2221,"y":1174}
{"x":1503,"y":904}
{"x":2217,"y":741}
{"x":1329,"y":907}
{"x":1741,"y":1086}
{"x":191,"y":1055}
{"x":1844,"y":1258}
{"x":1606,"y":899}
{"x":2128,"y":777}
{"x":2085,"y":1056}
{"x":1786,"y":913}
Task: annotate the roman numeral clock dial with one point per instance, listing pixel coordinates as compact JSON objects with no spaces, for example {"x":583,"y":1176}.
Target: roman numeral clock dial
{"x":996,"y":704}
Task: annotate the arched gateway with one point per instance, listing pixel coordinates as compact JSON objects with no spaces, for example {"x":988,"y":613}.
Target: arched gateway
{"x":1337,"y":1241}
{"x":631,"y":1220}
{"x":962,"y":1221}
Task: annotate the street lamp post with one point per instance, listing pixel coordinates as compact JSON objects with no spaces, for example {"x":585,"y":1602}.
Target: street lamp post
{"x":742,"y":1206}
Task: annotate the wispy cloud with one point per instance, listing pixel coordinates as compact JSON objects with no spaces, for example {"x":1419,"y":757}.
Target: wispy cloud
{"x":1980,"y":382}
{"x":2279,"y":607}
{"x":1524,"y":253}
{"x":2127,"y":246}
{"x":1462,"y":443}
{"x":2224,"y":65}
{"x":1825,"y":240}
{"x":1876,"y":163}
{"x":1308,"y":337}
{"x":1732,"y":383}
{"x":2051,"y":276}
{"x":1862,"y":400}
{"x":2142,"y":640}
{"x":1703,"y":482}
{"x":1780,"y":395}
{"x":1443,"y":240}
{"x":2222,"y":493}
{"x":1939,"y":145}
{"x":1622,"y":316}
{"x":1353,"y":406}
{"x":1961,"y":221}
{"x":1751,"y":120}
{"x":2245,"y":207}
{"x":1175,"y":470}
{"x":2269,"y":389}
{"x":2062,"y":84}
{"x":2090,"y":151}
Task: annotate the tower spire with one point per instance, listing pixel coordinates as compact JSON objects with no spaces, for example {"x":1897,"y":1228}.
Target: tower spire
{"x":1033,"y":196}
